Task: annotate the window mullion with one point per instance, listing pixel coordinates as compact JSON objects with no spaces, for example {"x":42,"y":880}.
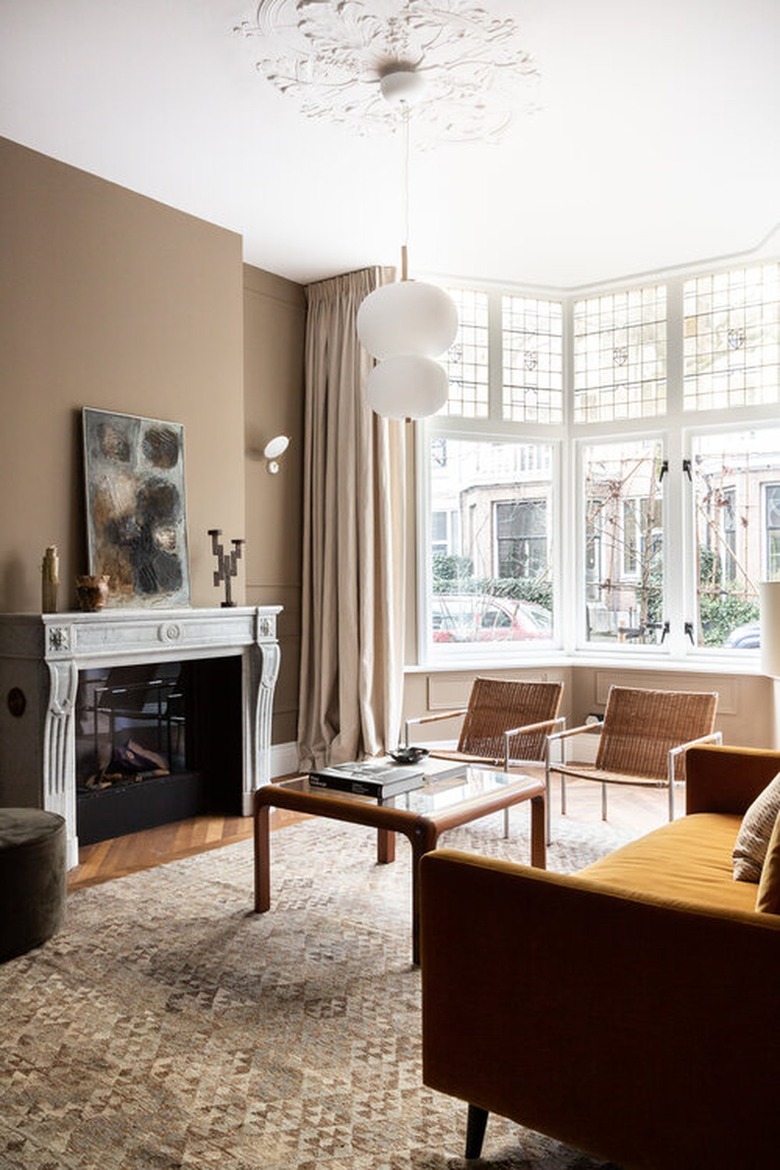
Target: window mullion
{"x":677,"y":541}
{"x":674,"y":349}
{"x":495,"y":357}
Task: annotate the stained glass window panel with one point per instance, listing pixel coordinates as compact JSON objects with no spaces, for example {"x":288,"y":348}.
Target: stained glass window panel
{"x":532,"y":334}
{"x":466,"y":361}
{"x":732,"y":338}
{"x":620,"y":355}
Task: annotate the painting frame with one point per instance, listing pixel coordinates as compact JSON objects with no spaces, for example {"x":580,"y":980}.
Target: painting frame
{"x":136,"y":507}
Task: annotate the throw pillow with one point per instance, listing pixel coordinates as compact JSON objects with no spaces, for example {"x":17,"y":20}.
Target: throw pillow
{"x":753,"y":838}
{"x":768,"y":899}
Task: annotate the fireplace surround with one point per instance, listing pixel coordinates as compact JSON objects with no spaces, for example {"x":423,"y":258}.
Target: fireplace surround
{"x":42,"y":656}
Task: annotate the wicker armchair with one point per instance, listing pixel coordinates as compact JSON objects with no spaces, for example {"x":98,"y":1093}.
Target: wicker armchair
{"x":507,"y":722}
{"x":643,"y":740}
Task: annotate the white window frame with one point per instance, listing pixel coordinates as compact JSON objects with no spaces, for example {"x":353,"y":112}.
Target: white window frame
{"x":676,"y":429}
{"x":581,"y":644}
{"x":499,"y":653}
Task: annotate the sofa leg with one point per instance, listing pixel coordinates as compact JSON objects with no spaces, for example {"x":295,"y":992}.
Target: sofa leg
{"x":475,"y":1130}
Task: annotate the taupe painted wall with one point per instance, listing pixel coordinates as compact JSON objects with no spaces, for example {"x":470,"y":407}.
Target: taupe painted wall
{"x":274,"y":323}
{"x":112,"y":300}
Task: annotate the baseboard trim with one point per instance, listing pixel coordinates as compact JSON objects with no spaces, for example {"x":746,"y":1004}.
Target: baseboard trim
{"x":284,"y":759}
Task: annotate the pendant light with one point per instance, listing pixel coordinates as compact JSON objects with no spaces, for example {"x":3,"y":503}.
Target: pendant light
{"x":406,"y":325}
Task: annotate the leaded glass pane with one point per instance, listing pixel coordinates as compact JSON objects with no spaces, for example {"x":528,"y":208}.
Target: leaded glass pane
{"x":732,"y":338}
{"x":466,"y":361}
{"x":620,"y":355}
{"x":532,"y":333}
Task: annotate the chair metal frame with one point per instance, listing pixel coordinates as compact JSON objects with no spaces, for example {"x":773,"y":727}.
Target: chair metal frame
{"x":633,"y":753}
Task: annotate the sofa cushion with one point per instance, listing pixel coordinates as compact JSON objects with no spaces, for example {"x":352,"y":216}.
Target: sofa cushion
{"x":687,"y":861}
{"x":754,"y":833}
{"x":768,"y":899}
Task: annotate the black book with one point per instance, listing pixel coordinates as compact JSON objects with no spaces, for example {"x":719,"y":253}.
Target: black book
{"x":379,"y":780}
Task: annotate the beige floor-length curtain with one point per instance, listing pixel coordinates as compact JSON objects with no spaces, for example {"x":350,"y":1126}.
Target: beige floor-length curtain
{"x":352,"y":617}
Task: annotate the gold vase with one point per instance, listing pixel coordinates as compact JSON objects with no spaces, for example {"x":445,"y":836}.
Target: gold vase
{"x":50,"y":579}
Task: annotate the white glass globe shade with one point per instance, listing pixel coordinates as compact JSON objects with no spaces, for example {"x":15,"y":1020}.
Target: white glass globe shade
{"x":407,"y":386}
{"x":409,"y":317}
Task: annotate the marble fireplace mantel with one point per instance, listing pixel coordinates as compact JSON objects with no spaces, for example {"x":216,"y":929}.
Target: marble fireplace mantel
{"x":40,"y":659}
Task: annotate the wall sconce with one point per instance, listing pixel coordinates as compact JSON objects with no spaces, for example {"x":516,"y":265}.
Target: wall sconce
{"x":273,"y":451}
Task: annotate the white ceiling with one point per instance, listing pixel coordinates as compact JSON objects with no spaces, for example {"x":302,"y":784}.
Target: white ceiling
{"x":656,"y":145}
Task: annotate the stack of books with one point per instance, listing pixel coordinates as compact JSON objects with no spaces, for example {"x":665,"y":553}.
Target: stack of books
{"x":378,"y":779}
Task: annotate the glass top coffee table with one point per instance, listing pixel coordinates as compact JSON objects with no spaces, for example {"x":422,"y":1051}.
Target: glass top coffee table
{"x":422,"y":815}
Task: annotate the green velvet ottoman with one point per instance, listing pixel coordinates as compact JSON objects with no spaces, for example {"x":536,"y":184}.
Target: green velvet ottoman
{"x":32,"y":878}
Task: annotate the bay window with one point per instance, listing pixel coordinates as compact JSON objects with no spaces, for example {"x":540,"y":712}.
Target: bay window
{"x":606,"y":473}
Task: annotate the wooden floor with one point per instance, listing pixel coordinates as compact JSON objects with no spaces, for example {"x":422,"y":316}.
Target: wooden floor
{"x":635,"y":810}
{"x":136,"y":851}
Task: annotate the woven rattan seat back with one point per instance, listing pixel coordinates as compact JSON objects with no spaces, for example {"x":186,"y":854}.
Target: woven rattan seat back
{"x":496,"y":705}
{"x":641,"y":726}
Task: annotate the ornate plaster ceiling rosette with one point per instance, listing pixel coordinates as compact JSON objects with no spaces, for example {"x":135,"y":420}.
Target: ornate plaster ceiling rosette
{"x":330,"y":55}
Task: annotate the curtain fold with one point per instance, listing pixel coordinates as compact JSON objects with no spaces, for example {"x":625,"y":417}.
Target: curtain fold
{"x":352,"y":619}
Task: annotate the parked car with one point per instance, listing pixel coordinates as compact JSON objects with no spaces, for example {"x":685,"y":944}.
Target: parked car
{"x":747,"y":637}
{"x":480,"y":618}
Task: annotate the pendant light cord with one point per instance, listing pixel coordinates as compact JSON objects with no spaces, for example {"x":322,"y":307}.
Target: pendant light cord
{"x":405,"y":245}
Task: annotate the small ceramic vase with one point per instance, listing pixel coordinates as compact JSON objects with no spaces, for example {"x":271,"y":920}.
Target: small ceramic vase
{"x":92,"y":592}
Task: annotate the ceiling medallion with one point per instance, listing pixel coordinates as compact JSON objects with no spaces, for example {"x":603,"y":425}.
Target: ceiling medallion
{"x":331,"y":55}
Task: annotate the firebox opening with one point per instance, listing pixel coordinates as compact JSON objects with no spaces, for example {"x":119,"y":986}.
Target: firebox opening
{"x":157,"y":743}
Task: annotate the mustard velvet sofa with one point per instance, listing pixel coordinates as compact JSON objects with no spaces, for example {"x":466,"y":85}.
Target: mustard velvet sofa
{"x":630,"y":1010}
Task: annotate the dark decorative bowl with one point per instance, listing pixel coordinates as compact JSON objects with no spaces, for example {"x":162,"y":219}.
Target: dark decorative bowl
{"x":408,"y":755}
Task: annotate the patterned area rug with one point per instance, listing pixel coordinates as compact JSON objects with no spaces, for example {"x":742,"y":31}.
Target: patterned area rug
{"x":168,"y":1026}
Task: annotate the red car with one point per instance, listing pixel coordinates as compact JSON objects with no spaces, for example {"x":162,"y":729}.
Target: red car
{"x":479,"y":618}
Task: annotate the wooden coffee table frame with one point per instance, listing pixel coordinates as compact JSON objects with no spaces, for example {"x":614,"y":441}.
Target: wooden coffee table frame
{"x":422,"y":829}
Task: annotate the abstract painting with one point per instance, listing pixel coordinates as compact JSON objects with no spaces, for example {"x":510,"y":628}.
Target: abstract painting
{"x":136,"y":516}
